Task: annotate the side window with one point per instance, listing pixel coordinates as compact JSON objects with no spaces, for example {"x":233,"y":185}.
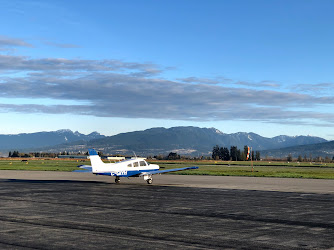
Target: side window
{"x":129,"y":165}
{"x":142,"y":163}
{"x":136,"y":164}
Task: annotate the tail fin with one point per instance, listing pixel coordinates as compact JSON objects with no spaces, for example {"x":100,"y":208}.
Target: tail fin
{"x":95,"y":160}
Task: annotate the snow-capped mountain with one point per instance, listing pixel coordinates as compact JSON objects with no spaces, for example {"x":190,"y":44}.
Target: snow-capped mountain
{"x":154,"y":141}
{"x":183,"y":140}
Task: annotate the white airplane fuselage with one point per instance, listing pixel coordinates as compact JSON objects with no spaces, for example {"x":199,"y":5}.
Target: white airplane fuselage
{"x":125,"y":168}
{"x":128,"y":168}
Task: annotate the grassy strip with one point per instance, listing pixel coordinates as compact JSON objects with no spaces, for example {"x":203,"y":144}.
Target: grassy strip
{"x":205,"y":168}
{"x":268,"y":171}
{"x":41,"y":165}
{"x":248,"y":163}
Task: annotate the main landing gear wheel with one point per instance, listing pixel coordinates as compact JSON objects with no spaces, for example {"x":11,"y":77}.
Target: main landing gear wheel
{"x":149,"y":181}
{"x":117,"y":180}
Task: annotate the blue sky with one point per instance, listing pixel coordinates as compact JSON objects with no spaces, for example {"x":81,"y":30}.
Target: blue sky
{"x":119,"y":66}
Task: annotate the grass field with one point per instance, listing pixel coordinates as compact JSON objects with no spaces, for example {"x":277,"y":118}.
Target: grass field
{"x":219,"y":168}
{"x":41,"y":165}
{"x":260,"y":171}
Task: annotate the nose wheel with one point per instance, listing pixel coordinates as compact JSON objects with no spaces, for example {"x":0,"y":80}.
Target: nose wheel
{"x":117,"y":180}
{"x":149,"y":181}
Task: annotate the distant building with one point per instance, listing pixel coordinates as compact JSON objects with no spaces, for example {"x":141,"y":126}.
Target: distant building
{"x":138,"y":158}
{"x":120,"y":158}
{"x":114,"y":158}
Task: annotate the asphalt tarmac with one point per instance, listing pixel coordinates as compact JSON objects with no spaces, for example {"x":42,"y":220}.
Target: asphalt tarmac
{"x":54,"y":210}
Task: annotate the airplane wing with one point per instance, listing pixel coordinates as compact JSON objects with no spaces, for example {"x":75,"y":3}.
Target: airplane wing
{"x":85,"y":168}
{"x":166,"y":171}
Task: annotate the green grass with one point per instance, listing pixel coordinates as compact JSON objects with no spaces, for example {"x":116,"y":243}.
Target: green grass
{"x":258,"y":171}
{"x":219,"y":168}
{"x":255,"y":163}
{"x":40,"y":165}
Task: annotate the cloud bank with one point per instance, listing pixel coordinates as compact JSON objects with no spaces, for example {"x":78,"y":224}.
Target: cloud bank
{"x":7,"y":41}
{"x":115,"y":88}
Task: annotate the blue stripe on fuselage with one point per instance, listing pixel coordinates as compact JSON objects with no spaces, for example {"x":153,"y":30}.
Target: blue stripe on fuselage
{"x":125,"y":173}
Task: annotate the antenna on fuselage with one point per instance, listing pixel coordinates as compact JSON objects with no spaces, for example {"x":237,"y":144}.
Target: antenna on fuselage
{"x":135,"y":154}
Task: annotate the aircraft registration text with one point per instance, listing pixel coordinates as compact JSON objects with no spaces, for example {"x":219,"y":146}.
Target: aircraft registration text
{"x":119,"y":173}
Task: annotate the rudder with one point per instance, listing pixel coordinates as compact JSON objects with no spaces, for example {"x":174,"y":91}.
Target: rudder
{"x":95,"y":160}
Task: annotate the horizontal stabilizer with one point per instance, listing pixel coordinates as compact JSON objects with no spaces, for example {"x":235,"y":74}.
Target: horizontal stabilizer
{"x":82,"y":171}
{"x":167,"y":170}
{"x":84,"y":168}
{"x":89,"y":167}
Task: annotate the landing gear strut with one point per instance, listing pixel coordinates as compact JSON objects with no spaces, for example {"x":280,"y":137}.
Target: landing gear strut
{"x":117,"y":179}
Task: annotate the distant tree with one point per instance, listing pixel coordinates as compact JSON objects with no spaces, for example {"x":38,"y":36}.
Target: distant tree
{"x":305,"y":158}
{"x":239,"y":155}
{"x":252,"y":157}
{"x":159,"y":157}
{"x":15,"y":154}
{"x":318,"y":159}
{"x":173,"y":156}
{"x":216,"y":153}
{"x":289,"y":158}
{"x":246,"y":152}
{"x":235,"y":153}
{"x":257,"y":156}
{"x":10,"y":154}
{"x":225,"y":154}
{"x":243,"y":156}
{"x":327,"y":159}
{"x":300,"y":159}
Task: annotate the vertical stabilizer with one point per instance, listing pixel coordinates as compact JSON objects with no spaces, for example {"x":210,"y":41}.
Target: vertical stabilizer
{"x":95,"y":160}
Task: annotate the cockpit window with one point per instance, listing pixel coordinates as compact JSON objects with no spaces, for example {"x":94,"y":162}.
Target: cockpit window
{"x":142,"y":163}
{"x":136,"y":164}
{"x":129,"y":165}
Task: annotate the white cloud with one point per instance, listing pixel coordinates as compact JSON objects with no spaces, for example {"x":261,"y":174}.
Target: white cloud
{"x":115,"y":88}
{"x":262,"y":84}
{"x":318,"y":88}
{"x":13,"y":42}
{"x":61,"y":45}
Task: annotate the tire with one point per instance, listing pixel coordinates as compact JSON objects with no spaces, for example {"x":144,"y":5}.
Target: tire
{"x":149,"y":181}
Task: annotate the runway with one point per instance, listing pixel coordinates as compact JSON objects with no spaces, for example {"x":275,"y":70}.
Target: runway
{"x":57,"y":210}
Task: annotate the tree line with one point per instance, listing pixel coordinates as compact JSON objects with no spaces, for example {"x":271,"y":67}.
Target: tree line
{"x":234,"y":154}
{"x":34,"y":154}
{"x":44,"y":154}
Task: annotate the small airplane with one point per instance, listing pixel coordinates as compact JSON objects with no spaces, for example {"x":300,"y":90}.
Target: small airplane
{"x":127,"y":168}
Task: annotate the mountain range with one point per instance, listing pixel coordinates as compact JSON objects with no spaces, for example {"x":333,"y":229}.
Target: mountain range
{"x":43,"y":139}
{"x":182,"y":140}
{"x":325,"y":149}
